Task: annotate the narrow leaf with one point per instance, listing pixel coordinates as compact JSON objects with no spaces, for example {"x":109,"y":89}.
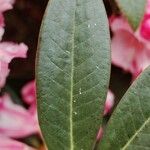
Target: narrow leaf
{"x":129,"y":126}
{"x":133,"y":10}
{"x":73,"y":72}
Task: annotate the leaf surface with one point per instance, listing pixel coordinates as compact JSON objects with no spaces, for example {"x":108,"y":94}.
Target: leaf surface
{"x":133,"y":10}
{"x":72,"y":74}
{"x":129,"y":126}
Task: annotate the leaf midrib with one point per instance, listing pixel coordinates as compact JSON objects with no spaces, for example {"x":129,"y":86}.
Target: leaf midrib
{"x":72,"y":78}
{"x":136,"y":133}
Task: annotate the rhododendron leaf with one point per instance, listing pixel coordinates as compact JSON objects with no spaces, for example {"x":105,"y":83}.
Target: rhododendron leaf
{"x":133,"y":10}
{"x":129,"y":126}
{"x":73,"y":73}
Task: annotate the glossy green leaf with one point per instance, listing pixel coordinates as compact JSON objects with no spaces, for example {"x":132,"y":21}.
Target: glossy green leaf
{"x":129,"y":126}
{"x":133,"y":10}
{"x":73,"y":68}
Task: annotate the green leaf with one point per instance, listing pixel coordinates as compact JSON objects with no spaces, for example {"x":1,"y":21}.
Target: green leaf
{"x":129,"y":126}
{"x":133,"y":10}
{"x":73,"y":68}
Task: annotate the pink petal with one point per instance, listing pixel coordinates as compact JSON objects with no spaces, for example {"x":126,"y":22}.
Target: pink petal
{"x":119,"y":23}
{"x":125,"y":47}
{"x":100,"y":134}
{"x":10,"y":144}
{"x":1,"y":20}
{"x":1,"y":33}
{"x":6,"y":5}
{"x":145,"y":27}
{"x":8,"y":51}
{"x":142,"y":61}
{"x":28,"y":93}
{"x":29,"y":96}
{"x":1,"y":26}
{"x":131,"y":50}
{"x":15,"y":121}
{"x":148,"y":7}
{"x":109,"y":103}
{"x":4,"y":71}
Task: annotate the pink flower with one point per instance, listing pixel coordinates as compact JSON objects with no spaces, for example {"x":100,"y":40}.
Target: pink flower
{"x":15,"y":121}
{"x":1,"y":20}
{"x":131,"y":50}
{"x":10,"y":144}
{"x":145,"y":25}
{"x":28,"y":92}
{"x":100,"y":134}
{"x":1,"y":26}
{"x":6,"y":5}
{"x":29,"y":96}
{"x":1,"y":32}
{"x":8,"y":51}
{"x":3,"y":73}
{"x":109,"y":103}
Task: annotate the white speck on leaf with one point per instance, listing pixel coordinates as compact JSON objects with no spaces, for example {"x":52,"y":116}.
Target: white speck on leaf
{"x":95,"y":24}
{"x":75,"y":113}
{"x":97,"y":67}
{"x":89,"y":25}
{"x":80,"y":91}
{"x":68,"y":52}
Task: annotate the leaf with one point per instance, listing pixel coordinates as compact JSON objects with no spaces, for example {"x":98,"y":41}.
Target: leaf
{"x":73,"y":68}
{"x":133,"y":10}
{"x":129,"y":126}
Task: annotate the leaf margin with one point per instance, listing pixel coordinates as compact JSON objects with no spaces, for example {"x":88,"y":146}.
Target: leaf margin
{"x":109,"y":131}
